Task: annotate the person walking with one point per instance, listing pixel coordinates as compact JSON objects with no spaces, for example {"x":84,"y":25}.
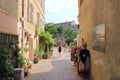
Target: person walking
{"x":72,"y":53}
{"x":59,"y":49}
{"x":78,"y":59}
{"x":85,"y":57}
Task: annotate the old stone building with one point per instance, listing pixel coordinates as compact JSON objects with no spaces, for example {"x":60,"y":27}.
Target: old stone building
{"x":8,"y":22}
{"x":33,"y":15}
{"x":18,"y":20}
{"x":66,"y":25}
{"x":99,"y":27}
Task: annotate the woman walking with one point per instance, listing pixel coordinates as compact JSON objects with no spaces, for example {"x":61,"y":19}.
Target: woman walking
{"x":59,"y":49}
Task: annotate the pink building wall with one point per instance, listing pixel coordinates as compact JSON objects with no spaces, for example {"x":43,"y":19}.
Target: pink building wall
{"x":8,"y":23}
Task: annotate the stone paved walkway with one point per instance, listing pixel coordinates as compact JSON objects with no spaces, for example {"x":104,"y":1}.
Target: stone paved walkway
{"x":56,"y":68}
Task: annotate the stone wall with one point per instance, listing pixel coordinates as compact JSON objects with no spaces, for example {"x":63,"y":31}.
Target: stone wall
{"x":29,"y":26}
{"x":112,"y":18}
{"x":8,"y":16}
{"x":10,"y":6}
{"x":104,"y":65}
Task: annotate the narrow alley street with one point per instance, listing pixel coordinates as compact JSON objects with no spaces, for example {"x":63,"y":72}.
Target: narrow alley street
{"x":56,"y":68}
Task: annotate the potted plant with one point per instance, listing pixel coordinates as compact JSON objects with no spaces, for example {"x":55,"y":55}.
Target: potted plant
{"x":46,"y":43}
{"x":22,"y":61}
{"x":6,"y":68}
{"x":26,"y":49}
{"x":37,"y":55}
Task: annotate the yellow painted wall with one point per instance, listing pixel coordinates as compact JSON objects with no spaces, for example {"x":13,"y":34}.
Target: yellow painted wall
{"x":104,"y":65}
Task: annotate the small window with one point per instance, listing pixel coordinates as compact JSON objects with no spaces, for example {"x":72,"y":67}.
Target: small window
{"x":81,"y":2}
{"x":30,"y":11}
{"x":38,"y":19}
{"x":6,"y":40}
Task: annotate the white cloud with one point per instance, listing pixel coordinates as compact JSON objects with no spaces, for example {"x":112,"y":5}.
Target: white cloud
{"x":68,"y":18}
{"x":61,"y":9}
{"x":59,"y":5}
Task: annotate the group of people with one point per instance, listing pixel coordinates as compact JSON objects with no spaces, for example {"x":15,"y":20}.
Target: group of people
{"x":81,"y":55}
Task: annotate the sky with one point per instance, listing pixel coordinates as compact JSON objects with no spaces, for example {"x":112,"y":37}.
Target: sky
{"x":57,"y":11}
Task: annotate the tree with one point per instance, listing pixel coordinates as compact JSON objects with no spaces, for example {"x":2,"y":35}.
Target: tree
{"x":46,"y":42}
{"x":60,"y":29}
{"x":51,"y":29}
{"x":69,"y":36}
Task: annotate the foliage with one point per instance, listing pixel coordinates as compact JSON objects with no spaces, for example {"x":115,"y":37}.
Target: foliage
{"x":69,"y":36}
{"x":72,"y":44}
{"x":37,"y":52}
{"x":51,"y":29}
{"x":21,"y":60}
{"x":6,"y":68}
{"x":45,"y":41}
{"x":26,"y":49}
{"x":36,"y":30}
{"x":60,"y":29}
{"x":51,"y":52}
{"x":37,"y":55}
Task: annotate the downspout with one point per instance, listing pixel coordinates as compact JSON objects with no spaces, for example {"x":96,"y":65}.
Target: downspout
{"x":22,"y":32}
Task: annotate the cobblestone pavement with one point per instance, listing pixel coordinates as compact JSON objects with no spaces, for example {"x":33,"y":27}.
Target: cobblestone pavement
{"x":56,"y":68}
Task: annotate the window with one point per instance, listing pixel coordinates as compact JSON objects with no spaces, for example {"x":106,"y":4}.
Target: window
{"x":42,"y":3}
{"x":30,"y":11}
{"x":69,"y":24}
{"x":6,"y":40}
{"x":38,"y":19}
{"x":81,"y":2}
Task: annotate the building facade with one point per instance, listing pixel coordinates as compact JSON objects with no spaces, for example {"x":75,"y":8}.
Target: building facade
{"x":99,"y":27}
{"x":32,"y":18}
{"x":66,"y":25}
{"x":8,"y":23}
{"x":18,"y":21}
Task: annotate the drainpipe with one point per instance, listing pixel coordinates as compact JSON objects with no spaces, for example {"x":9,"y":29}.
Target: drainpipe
{"x":22,"y":32}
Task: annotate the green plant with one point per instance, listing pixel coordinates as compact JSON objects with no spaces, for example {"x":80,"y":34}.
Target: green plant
{"x":51,"y":52}
{"x":36,"y":30}
{"x":26,"y":49}
{"x":51,"y":29}
{"x":21,"y":60}
{"x":37,"y":52}
{"x":72,"y":44}
{"x":6,"y":68}
{"x":60,"y":29}
{"x":69,"y":36}
{"x":46,"y":42}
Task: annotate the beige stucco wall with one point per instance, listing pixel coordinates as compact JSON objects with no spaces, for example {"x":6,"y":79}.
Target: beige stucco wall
{"x":8,"y":24}
{"x":29,"y":27}
{"x":112,"y":18}
{"x":11,"y":6}
{"x":37,"y":8}
{"x":90,"y":17}
{"x":8,"y":16}
{"x":104,"y":65}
